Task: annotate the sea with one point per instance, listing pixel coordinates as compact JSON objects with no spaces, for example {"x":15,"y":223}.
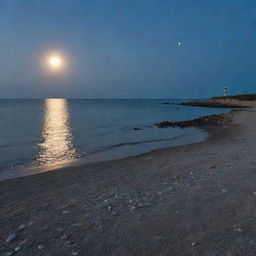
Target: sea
{"x":38,"y":135}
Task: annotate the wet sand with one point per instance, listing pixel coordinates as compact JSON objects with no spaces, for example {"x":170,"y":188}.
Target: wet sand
{"x":197,"y":199}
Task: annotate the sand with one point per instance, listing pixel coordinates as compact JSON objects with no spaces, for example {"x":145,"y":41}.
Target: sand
{"x":196,"y":199}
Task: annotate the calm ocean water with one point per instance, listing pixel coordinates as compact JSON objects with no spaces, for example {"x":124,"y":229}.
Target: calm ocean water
{"x":39,"y":133}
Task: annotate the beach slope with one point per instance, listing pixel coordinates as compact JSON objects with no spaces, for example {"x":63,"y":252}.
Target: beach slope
{"x":196,"y":199}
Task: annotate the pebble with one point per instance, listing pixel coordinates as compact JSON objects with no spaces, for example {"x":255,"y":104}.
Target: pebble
{"x":109,"y":207}
{"x":10,"y":238}
{"x":41,"y":247}
{"x":194,"y":244}
{"x":160,"y":238}
{"x":23,"y":242}
{"x":64,"y":237}
{"x":254,"y":193}
{"x":17,"y":249}
{"x":31,"y":223}
{"x":22,"y":227}
{"x":75,"y":253}
{"x":9,"y":253}
{"x":132,"y":208}
{"x":65,"y":212}
{"x":224,"y":190}
{"x":100,"y":228}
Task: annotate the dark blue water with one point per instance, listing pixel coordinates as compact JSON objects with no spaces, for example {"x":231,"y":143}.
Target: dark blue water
{"x":41,"y":133}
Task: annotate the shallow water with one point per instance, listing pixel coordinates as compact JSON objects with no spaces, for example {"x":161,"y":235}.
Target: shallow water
{"x":45,"y":132}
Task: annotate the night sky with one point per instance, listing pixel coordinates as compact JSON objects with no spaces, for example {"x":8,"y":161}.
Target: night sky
{"x":128,"y":48}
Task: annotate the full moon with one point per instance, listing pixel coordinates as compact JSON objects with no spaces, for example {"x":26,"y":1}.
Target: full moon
{"x":55,"y":62}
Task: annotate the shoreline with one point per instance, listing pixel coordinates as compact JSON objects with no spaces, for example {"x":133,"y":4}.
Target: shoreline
{"x":211,"y":125}
{"x":196,"y":199}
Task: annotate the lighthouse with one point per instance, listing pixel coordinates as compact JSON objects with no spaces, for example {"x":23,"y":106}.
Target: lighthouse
{"x":225,"y":91}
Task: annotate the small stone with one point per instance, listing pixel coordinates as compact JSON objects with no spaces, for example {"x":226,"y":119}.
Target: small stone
{"x":9,"y":253}
{"x":254,"y":193}
{"x":105,"y":201}
{"x":133,"y":208}
{"x":41,"y":247}
{"x":23,"y":242}
{"x":224,"y":190}
{"x":10,"y":238}
{"x":239,"y":230}
{"x":65,"y":212}
{"x":64,"y":237}
{"x":31,"y":223}
{"x":100,"y":228}
{"x":22,"y":227}
{"x":194,"y":244}
{"x":109,"y":207}
{"x":160,"y":238}
{"x":45,"y":228}
{"x":75,"y":253}
{"x":17,"y":249}
{"x":159,"y":193}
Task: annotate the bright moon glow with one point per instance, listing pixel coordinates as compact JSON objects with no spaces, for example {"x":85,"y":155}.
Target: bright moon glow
{"x":55,"y":62}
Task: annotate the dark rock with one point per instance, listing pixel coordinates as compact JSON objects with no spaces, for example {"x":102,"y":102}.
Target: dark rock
{"x":199,"y":122}
{"x":135,"y":129}
{"x":211,"y":104}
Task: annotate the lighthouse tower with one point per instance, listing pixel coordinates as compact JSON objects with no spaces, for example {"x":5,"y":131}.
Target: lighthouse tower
{"x":225,"y":91}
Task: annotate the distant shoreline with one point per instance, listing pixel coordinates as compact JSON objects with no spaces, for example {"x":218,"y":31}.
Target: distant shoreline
{"x":237,"y":101}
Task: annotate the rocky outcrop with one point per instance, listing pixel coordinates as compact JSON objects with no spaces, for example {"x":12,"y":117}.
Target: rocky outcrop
{"x":199,"y":122}
{"x":212,"y":104}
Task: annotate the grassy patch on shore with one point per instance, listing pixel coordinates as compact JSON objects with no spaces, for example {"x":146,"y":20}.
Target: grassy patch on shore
{"x":242,"y":97}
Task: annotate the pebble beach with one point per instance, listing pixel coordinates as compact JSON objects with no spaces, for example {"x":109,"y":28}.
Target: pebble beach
{"x":196,"y":199}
